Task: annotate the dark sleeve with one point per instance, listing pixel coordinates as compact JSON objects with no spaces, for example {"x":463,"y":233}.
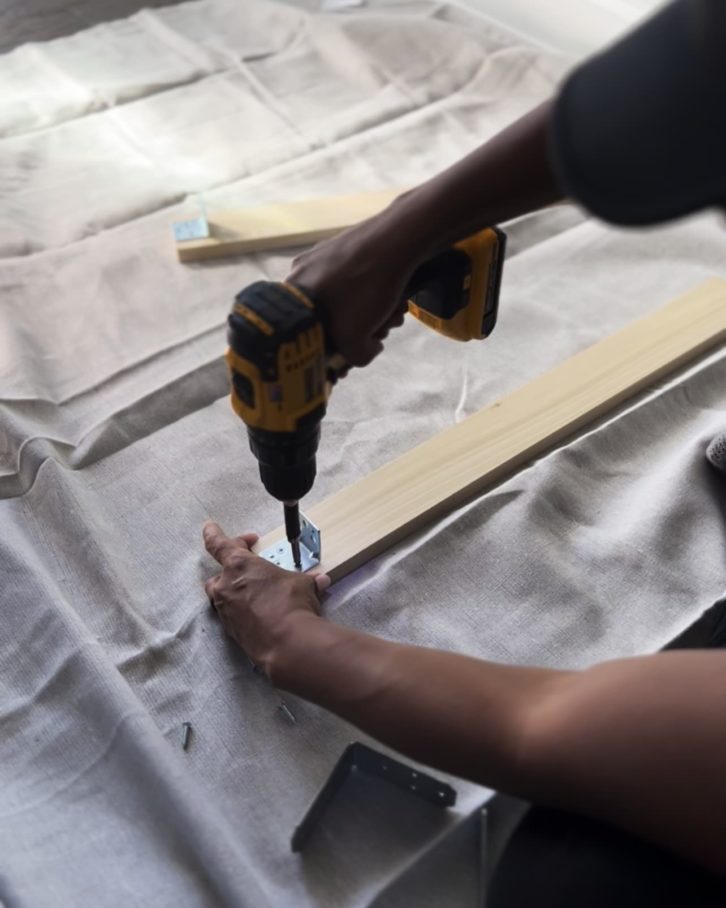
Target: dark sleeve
{"x":639,"y":131}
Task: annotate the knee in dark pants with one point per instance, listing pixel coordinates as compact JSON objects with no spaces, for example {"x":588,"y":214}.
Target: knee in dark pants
{"x":561,"y":860}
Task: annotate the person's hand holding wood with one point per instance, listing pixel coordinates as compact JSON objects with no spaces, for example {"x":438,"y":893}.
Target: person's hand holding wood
{"x":258,"y":603}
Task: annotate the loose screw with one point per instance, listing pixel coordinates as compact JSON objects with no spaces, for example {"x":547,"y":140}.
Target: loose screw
{"x":286,"y":712}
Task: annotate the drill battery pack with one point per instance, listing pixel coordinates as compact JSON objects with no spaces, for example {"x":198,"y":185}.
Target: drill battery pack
{"x":456,"y":293}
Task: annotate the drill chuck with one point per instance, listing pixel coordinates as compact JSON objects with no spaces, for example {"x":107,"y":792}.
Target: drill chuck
{"x":286,"y":460}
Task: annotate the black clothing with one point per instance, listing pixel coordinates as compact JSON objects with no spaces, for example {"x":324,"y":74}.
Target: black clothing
{"x":639,"y":131}
{"x":560,"y":860}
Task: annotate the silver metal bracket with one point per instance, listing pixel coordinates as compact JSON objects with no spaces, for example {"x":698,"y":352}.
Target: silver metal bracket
{"x":195,"y":228}
{"x":280,"y":553}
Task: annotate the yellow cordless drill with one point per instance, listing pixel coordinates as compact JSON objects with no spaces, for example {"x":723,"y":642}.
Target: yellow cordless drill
{"x":283,"y":365}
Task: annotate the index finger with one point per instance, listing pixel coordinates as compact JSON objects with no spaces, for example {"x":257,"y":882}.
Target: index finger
{"x":219,"y":545}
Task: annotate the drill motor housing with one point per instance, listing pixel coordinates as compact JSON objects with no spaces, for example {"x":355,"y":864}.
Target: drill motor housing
{"x":277,"y":362}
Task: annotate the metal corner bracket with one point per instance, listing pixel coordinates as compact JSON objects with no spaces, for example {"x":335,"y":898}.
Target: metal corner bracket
{"x":280,"y":552}
{"x":358,"y":757}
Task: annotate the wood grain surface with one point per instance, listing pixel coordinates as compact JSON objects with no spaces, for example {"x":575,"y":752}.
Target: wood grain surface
{"x":443,"y":473}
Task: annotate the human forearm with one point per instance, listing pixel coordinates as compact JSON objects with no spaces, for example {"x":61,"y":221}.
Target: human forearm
{"x":465,"y":716}
{"x":359,"y":277}
{"x":638,"y":742}
{"x":508,"y":176}
{"x":641,"y":742}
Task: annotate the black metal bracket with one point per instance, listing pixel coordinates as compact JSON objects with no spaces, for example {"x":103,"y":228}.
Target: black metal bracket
{"x":358,"y":757}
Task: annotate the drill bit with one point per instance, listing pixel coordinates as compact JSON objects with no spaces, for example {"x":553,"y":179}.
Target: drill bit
{"x":296,"y":557}
{"x":292,"y":530}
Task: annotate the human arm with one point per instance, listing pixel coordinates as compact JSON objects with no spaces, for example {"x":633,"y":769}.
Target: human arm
{"x":636,"y":135}
{"x":359,"y":276}
{"x":638,"y":742}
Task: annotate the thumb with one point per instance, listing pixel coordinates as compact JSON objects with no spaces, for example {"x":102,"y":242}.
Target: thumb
{"x":322,"y":582}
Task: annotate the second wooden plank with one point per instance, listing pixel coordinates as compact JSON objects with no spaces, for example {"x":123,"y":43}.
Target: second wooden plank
{"x":244,"y":230}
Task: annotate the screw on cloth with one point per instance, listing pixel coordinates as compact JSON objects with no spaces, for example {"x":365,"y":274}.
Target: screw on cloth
{"x":285,"y":710}
{"x":186,"y":734}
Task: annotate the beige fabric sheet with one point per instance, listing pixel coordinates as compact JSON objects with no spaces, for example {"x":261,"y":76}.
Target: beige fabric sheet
{"x":116,"y":441}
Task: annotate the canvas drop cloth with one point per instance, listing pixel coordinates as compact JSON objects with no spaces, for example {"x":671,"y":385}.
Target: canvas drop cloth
{"x":116,"y":442}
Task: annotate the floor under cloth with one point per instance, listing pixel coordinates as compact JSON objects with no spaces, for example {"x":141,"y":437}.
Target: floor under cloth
{"x":116,"y":442}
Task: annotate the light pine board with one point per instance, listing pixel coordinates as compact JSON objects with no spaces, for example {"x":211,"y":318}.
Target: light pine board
{"x":443,"y":473}
{"x":242,"y":230}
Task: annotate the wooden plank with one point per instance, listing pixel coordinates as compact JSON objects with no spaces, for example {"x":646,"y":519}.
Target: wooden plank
{"x":443,"y":473}
{"x":242,"y":230}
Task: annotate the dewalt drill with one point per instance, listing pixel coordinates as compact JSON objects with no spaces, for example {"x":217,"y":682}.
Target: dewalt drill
{"x":283,"y":365}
